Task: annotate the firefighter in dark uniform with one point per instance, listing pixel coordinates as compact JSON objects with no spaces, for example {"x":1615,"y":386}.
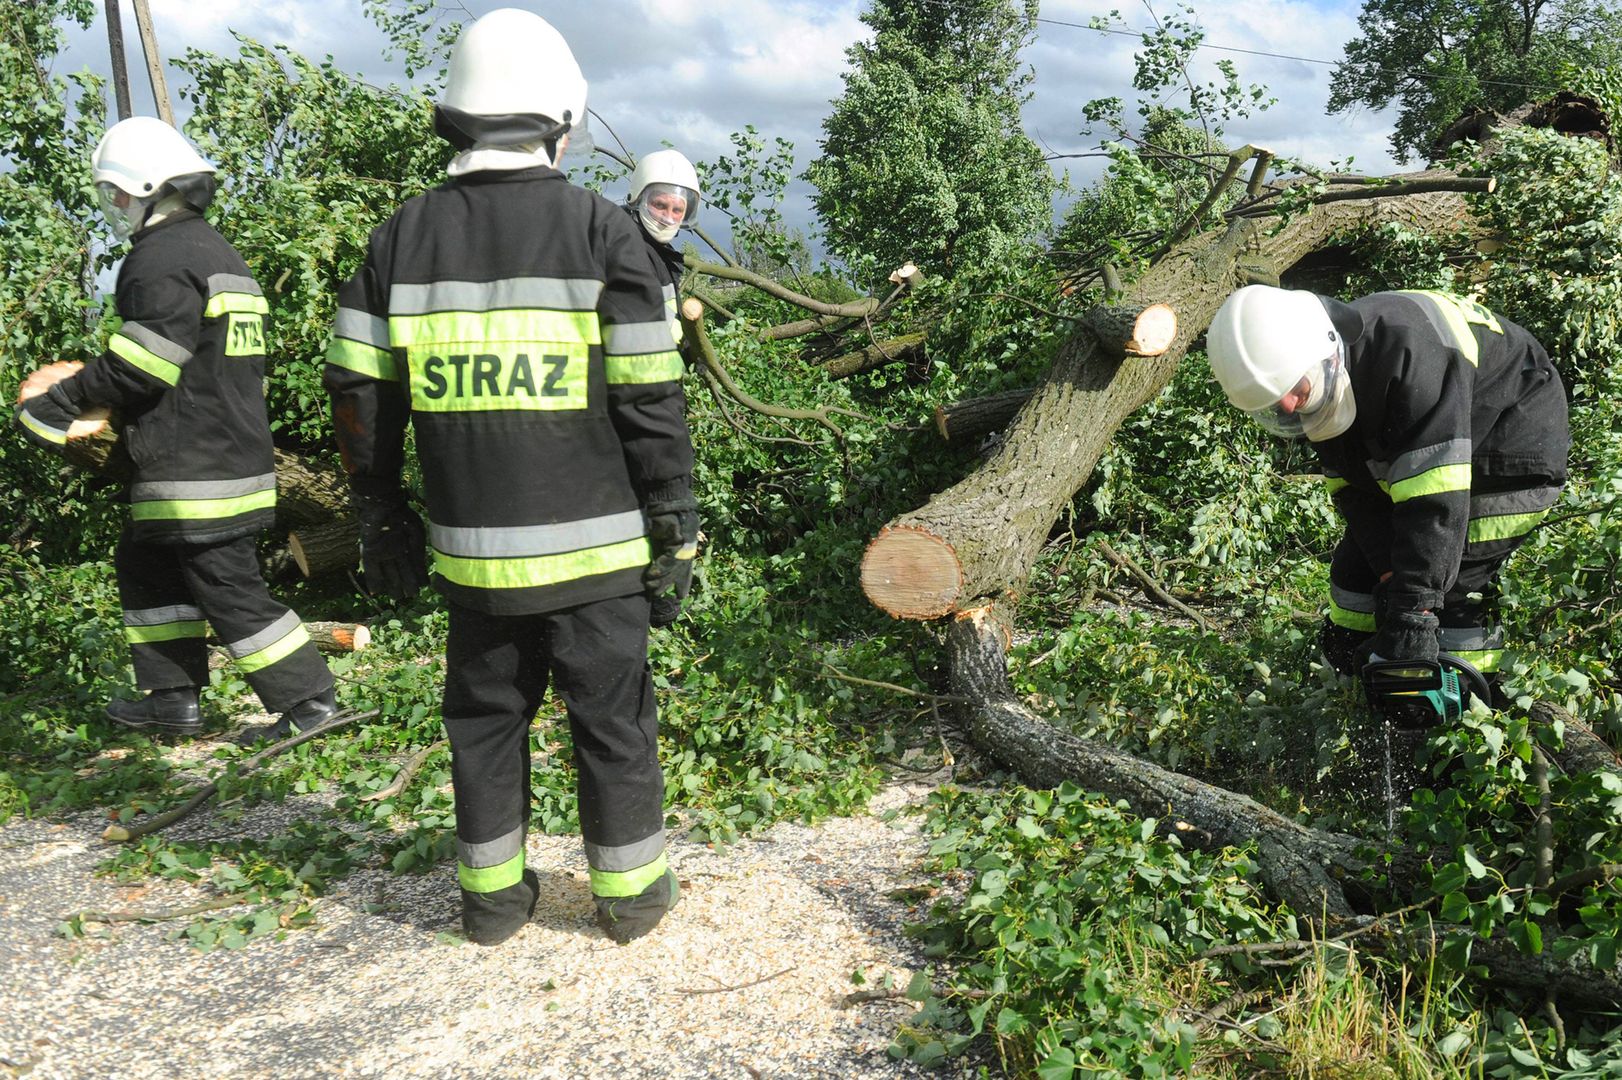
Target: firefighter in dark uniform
{"x":664,"y":197}
{"x":186,"y":370}
{"x":516,"y":323}
{"x":1443,"y":436}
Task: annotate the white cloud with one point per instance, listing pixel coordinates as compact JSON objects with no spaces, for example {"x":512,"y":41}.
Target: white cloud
{"x":691,"y":72}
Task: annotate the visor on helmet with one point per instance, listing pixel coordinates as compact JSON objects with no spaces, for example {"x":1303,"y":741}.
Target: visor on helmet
{"x":123,"y":211}
{"x":1291,"y":414}
{"x":671,"y":204}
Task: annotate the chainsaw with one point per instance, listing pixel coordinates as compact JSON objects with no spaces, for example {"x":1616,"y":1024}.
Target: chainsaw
{"x":1418,"y":693}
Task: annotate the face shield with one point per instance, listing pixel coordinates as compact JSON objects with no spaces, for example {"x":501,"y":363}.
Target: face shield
{"x":665,"y":208}
{"x":1317,"y":407}
{"x":123,"y":211}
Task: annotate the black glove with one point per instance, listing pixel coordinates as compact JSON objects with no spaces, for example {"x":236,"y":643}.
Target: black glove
{"x":393,"y":556}
{"x":45,"y":417}
{"x":673,"y":538}
{"x":1405,"y":635}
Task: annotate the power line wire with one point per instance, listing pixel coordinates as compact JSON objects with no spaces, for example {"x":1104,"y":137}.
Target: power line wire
{"x":1129,"y":32}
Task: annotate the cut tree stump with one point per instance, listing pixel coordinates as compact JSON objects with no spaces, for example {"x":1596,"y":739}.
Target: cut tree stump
{"x":326,"y":547}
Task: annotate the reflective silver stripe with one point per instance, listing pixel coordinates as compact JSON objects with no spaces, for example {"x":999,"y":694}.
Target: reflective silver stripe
{"x":224,"y":283}
{"x":1469,"y":638}
{"x":490,"y":852}
{"x":551,"y":294}
{"x":527,"y":540}
{"x":1524,"y":501}
{"x":268,"y":636}
{"x":629,"y":339}
{"x":669,"y":291}
{"x":201,"y":489}
{"x":361,"y":326}
{"x":1352,"y":601}
{"x":1414,"y":462}
{"x":155,"y":343}
{"x":626,"y":856}
{"x":157,"y":616}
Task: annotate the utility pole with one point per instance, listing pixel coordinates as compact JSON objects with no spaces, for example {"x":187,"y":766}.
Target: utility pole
{"x":121,"y":72}
{"x":154,"y":61}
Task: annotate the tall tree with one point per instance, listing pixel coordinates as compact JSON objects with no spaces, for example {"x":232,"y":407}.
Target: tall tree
{"x":1438,"y":59}
{"x":923,"y":156}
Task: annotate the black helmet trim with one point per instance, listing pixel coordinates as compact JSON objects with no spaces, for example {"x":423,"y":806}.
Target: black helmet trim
{"x":464,"y":129}
{"x":196,"y":188}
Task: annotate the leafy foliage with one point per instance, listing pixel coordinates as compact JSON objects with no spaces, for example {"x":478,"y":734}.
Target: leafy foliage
{"x":1440,"y":59}
{"x":923,"y":158}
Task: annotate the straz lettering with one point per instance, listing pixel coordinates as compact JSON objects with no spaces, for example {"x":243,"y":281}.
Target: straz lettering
{"x":477,"y":375}
{"x":244,"y":335}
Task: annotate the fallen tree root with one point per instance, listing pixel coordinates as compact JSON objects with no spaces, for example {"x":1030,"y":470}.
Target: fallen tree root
{"x":118,"y":834}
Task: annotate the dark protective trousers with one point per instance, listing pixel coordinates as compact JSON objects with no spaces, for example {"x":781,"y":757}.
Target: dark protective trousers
{"x":1499,"y":523}
{"x":172,"y":594}
{"x":498,"y":669}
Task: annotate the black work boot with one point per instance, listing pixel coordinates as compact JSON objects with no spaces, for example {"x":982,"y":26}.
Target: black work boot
{"x":312,"y":714}
{"x":626,"y":918}
{"x":491,"y":918}
{"x":173,"y":710}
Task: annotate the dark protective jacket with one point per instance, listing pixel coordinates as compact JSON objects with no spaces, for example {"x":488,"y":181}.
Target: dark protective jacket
{"x":669,"y":265}
{"x":518,"y":324}
{"x":186,"y":370}
{"x":1460,"y":436}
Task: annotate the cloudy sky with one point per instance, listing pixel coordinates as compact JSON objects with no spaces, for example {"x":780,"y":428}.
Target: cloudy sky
{"x":694,"y":71}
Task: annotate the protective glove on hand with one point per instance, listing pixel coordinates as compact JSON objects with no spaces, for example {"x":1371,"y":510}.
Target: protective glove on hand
{"x":45,"y":417}
{"x":673,"y":538}
{"x":1405,"y":635}
{"x":393,"y":549}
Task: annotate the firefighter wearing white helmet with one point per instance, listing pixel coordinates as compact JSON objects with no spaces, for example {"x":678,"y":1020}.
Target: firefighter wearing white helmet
{"x":186,"y":369}
{"x":664,"y":196}
{"x":516,"y":323}
{"x":664,"y":192}
{"x":1442,"y":431}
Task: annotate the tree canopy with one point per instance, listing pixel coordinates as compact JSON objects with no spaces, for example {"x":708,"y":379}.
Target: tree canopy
{"x":1438,"y":59}
{"x":923,"y":156}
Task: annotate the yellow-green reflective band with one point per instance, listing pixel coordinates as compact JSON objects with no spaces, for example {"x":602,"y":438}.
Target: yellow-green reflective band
{"x":1504,"y":526}
{"x":1333,"y":484}
{"x":1459,"y":313}
{"x":148,"y":361}
{"x":277,"y":650}
{"x":191,"y":628}
{"x":489,"y":879}
{"x":1485,"y":661}
{"x":650,"y":368}
{"x":201,"y":509}
{"x":628,"y":882}
{"x":1361,"y":621}
{"x":363,"y":359}
{"x":490,"y":376}
{"x":476,"y":330}
{"x":40,"y":428}
{"x":245,"y":334}
{"x":221,"y":303}
{"x":542,"y":570}
{"x":1435,"y":481}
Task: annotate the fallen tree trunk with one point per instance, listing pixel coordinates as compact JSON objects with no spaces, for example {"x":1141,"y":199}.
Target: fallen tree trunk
{"x":326,"y":547}
{"x":983,"y":535}
{"x":965,"y":421}
{"x":1316,"y":872}
{"x":875,"y":355}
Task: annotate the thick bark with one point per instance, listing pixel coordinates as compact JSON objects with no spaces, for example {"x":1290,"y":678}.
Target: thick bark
{"x":965,"y":421}
{"x":325,"y":548}
{"x":339,"y":637}
{"x":993,"y":523}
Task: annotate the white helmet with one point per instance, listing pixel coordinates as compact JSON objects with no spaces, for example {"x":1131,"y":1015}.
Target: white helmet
{"x":1279,"y":359}
{"x":513,"y":79}
{"x":138,"y":157}
{"x":664,"y":190}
